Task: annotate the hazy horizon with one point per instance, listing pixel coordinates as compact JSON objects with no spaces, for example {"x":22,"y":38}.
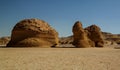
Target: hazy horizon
{"x":61,"y":14}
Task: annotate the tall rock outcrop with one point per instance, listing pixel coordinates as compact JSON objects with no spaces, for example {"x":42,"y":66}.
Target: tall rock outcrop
{"x":79,"y":36}
{"x":33,"y":33}
{"x":88,"y":37}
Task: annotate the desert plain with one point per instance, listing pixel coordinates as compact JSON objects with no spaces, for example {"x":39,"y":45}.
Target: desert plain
{"x":59,"y":59}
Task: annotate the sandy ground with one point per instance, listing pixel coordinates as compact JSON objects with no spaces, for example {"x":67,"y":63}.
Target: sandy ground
{"x":59,"y":59}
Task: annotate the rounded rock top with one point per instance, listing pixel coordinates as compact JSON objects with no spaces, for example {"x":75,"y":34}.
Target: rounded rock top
{"x":34,"y":24}
{"x":33,"y":33}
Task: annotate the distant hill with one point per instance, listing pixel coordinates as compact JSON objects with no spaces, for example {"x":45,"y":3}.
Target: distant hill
{"x":111,"y":37}
{"x":107,"y":37}
{"x":4,"y":40}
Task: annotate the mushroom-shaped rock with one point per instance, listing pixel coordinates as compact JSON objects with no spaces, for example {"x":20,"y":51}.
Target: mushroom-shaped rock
{"x":79,"y":35}
{"x":33,"y":33}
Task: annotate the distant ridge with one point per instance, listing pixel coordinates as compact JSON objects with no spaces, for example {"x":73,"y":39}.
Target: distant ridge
{"x":107,"y":36}
{"x":69,"y":39}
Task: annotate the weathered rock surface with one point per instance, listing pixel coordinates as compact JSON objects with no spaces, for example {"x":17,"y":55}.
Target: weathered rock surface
{"x":88,"y":37}
{"x":80,"y":36}
{"x":33,"y":33}
{"x":95,"y":35}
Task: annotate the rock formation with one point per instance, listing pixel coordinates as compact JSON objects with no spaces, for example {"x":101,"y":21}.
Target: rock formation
{"x":94,"y":34}
{"x":33,"y":33}
{"x":88,"y":37}
{"x":79,"y":35}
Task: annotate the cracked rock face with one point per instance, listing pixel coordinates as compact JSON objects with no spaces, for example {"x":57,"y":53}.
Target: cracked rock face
{"x":33,"y":33}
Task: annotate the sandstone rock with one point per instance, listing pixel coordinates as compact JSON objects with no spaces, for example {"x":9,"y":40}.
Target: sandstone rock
{"x":4,"y":40}
{"x":80,"y":37}
{"x":33,"y":33}
{"x":66,"y":40}
{"x":94,"y":34}
{"x":88,"y":37}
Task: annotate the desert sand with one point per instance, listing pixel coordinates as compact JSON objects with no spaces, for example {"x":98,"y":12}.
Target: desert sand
{"x":59,"y":59}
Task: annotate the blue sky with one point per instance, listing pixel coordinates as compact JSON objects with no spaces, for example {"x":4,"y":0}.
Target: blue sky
{"x":61,"y":14}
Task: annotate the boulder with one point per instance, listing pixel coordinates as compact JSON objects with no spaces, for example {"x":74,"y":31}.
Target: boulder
{"x":95,"y":35}
{"x":33,"y":33}
{"x":79,"y":35}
